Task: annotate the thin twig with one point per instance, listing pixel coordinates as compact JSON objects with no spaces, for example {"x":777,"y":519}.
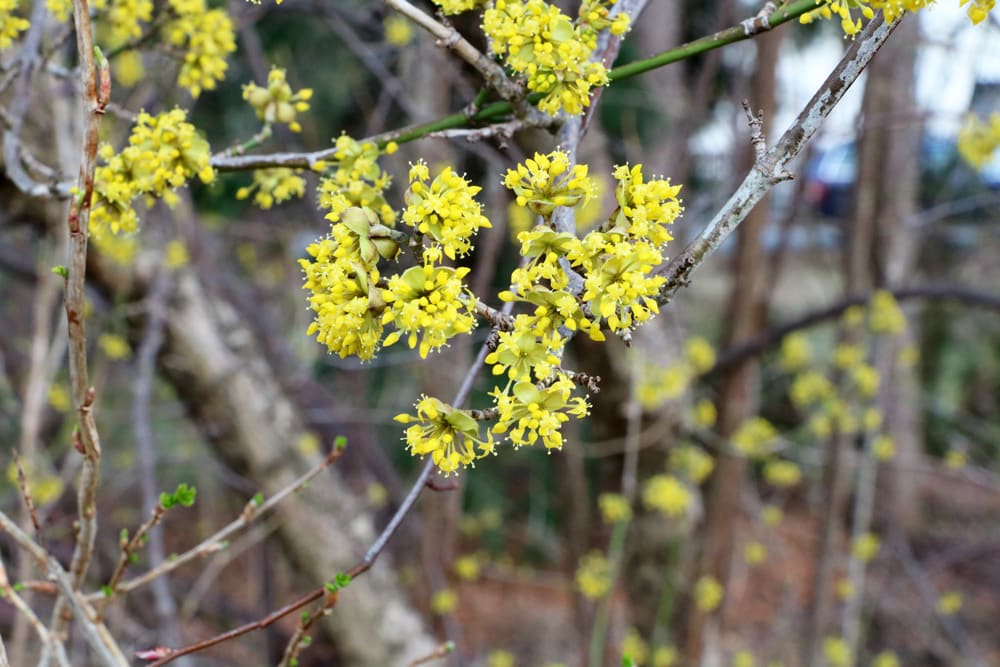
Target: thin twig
{"x":447,"y":36}
{"x":773,"y":168}
{"x":94,"y":100}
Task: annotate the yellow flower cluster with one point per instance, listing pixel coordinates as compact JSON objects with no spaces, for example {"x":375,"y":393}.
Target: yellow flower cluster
{"x":614,"y":507}
{"x":668,"y":495}
{"x":10,"y":26}
{"x":348,"y":318}
{"x":837,"y":652}
{"x":450,"y":436}
{"x":530,"y":412}
{"x":978,"y":140}
{"x":164,"y":152}
{"x":206,"y":37}
{"x":122,"y":18}
{"x":851,"y":22}
{"x":273,"y":185}
{"x":430,"y":304}
{"x":708,"y":593}
{"x":358,"y":180}
{"x":782,"y":473}
{"x":450,"y":7}
{"x":691,"y":462}
{"x":553,"y":52}
{"x":545,"y":182}
{"x":593,"y":575}
{"x":755,"y":437}
{"x":443,"y":211}
{"x":276,"y":103}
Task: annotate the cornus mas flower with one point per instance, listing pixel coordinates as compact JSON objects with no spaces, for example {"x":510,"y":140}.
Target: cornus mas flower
{"x":206,"y":36}
{"x":979,"y":139}
{"x":618,"y":287}
{"x":430,"y":304}
{"x":645,"y":208}
{"x":164,"y":152}
{"x":444,"y":211}
{"x":358,"y":180}
{"x":450,"y":7}
{"x":449,"y":435}
{"x":544,"y":182}
{"x":347,"y":304}
{"x":537,"y":40}
{"x":529,"y":413}
{"x":273,"y":186}
{"x":668,"y":495}
{"x":523,"y":354}
{"x":276,"y":103}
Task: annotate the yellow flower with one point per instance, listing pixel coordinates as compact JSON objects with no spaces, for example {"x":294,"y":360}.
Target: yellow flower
{"x":782,"y":473}
{"x":837,"y":652}
{"x":273,"y":185}
{"x":500,"y":658}
{"x":700,"y":354}
{"x":175,"y":254}
{"x":885,"y":659}
{"x":708,"y":593}
{"x":949,"y":603}
{"x":206,"y":36}
{"x":692,"y":462}
{"x":538,"y":41}
{"x":659,"y":385}
{"x":668,"y":495}
{"x":444,"y":601}
{"x":593,"y":575}
{"x":59,"y":398}
{"x":755,"y":437}
{"x":467,"y":567}
{"x":956,"y":459}
{"x":865,"y":547}
{"x":884,"y":447}
{"x":544,"y":182}
{"x":398,"y":30}
{"x":377,"y":495}
{"x":114,"y":346}
{"x":771,"y":515}
{"x":457,"y":7}
{"x":704,"y":413}
{"x":844,"y":589}
{"x":530,"y":413}
{"x":10,"y":26}
{"x":444,"y":211}
{"x":744,"y":658}
{"x":665,"y":656}
{"x":426,"y":303}
{"x":614,"y":507}
{"x":634,"y":647}
{"x":449,"y":435}
{"x":796,"y":352}
{"x":754,"y":553}
{"x":277,"y":103}
{"x":885,"y":315}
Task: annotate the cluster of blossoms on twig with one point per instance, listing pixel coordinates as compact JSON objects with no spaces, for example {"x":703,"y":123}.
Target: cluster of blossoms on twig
{"x":429,"y":304}
{"x":552,"y":51}
{"x":851,"y":12}
{"x":163,"y":153}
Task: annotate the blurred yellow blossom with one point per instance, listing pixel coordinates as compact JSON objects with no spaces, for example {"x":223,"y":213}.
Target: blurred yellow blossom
{"x":744,"y":658}
{"x":668,"y":495}
{"x":704,"y":413}
{"x":614,"y":507}
{"x":755,"y":437}
{"x":796,"y":352}
{"x":885,"y":659}
{"x":754,"y":553}
{"x":467,"y":567}
{"x":771,"y":515}
{"x":114,"y":346}
{"x":837,"y":652}
{"x":665,"y":656}
{"x":782,"y":473}
{"x":956,"y":458}
{"x":59,"y":398}
{"x":708,"y":593}
{"x":884,"y":447}
{"x":865,"y":547}
{"x":692,"y":462}
{"x":398,"y":30}
{"x":949,"y":603}
{"x":175,"y":254}
{"x":700,"y":354}
{"x":634,"y":647}
{"x":500,"y":658}
{"x":444,"y":601}
{"x":593,"y":575}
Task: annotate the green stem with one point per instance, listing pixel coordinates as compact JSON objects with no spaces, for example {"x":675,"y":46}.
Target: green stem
{"x":599,"y":632}
{"x":496,"y":110}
